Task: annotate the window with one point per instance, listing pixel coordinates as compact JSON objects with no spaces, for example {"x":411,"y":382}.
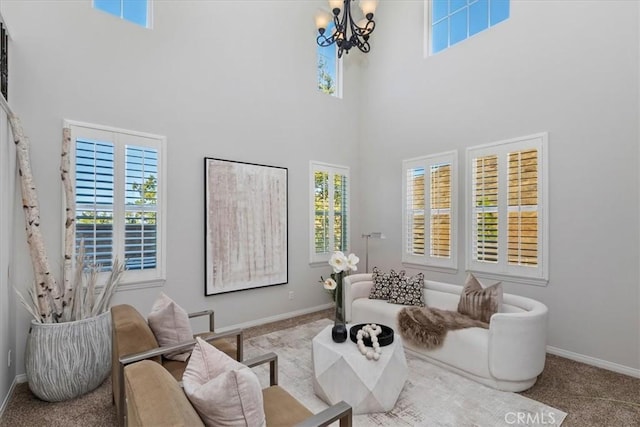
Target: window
{"x":430,"y":210}
{"x":136,"y":11}
{"x":329,"y":68}
{"x":329,"y":210}
{"x":452,"y":21}
{"x":119,"y":184}
{"x":507,"y":232}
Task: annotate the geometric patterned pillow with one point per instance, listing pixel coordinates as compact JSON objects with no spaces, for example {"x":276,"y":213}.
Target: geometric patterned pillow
{"x":408,"y":291}
{"x":382,"y":283}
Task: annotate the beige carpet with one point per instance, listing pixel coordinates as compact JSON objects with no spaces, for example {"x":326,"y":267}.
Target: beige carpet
{"x":431,"y":397}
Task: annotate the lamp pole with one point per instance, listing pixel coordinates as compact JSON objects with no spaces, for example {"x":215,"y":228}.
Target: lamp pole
{"x":375,"y":235}
{"x":366,"y":252}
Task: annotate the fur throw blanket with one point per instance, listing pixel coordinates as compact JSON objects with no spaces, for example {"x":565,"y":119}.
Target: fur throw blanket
{"x":428,"y":326}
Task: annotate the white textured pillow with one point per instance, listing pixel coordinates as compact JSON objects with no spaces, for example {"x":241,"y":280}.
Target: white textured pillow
{"x":223,"y":392}
{"x":170,"y":324}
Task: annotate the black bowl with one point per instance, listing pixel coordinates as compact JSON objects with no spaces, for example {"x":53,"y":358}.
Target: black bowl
{"x":385,"y":338}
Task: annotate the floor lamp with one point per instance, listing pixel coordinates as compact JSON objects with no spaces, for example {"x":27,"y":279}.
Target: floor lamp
{"x":367,"y":236}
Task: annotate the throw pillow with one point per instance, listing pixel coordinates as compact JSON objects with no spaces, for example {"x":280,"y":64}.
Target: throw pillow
{"x":223,"y":391}
{"x":170,"y":324}
{"x":477,"y":302}
{"x":382,"y":283}
{"x":408,"y":291}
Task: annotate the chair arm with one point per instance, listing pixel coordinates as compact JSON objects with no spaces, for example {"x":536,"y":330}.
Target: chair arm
{"x":239,"y":337}
{"x":272,"y":358}
{"x":340,"y":411}
{"x":209,"y":313}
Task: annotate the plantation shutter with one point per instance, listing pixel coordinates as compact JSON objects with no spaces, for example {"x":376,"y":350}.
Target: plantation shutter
{"x":485,"y":209}
{"x":330,"y":210}
{"x":415,"y":211}
{"x":440,"y":211}
{"x":321,"y":212}
{"x":523,"y":208}
{"x":429,"y":210}
{"x":340,"y":210}
{"x":508,"y":209}
{"x":94,"y":164}
{"x":141,"y":202}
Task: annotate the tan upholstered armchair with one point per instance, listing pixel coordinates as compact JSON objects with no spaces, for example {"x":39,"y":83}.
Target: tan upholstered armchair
{"x":133,"y":340}
{"x":154,"y":397}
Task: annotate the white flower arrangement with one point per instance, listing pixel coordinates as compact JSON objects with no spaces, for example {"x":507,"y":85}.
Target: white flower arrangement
{"x":341,"y":264}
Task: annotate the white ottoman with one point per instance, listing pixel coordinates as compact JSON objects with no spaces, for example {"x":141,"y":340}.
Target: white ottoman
{"x":341,"y":372}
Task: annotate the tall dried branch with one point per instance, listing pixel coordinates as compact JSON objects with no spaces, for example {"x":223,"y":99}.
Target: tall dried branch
{"x":102,"y":302}
{"x":47,"y":289}
{"x":70,"y":223}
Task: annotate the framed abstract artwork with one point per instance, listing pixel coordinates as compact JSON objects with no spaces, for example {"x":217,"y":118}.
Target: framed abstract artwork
{"x":246,"y":231}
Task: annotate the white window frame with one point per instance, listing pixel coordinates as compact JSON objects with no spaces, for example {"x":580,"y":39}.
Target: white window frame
{"x":332,"y":170}
{"x":131,"y":279}
{"x":448,"y":265}
{"x":502,"y":270}
{"x":149,"y":4}
{"x":339,"y":70}
{"x":428,"y":30}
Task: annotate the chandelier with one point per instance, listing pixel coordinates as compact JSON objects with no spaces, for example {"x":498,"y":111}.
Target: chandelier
{"x":347,"y":33}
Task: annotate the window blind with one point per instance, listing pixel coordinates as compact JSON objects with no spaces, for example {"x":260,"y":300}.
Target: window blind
{"x":340,"y":210}
{"x":485,"y":203}
{"x":330,"y":210}
{"x":141,"y":201}
{"x":94,"y":200}
{"x":523,"y":208}
{"x":415,"y":199}
{"x":321,"y":212}
{"x":440,"y":211}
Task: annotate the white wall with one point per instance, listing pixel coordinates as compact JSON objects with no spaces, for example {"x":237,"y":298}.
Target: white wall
{"x":228,"y":79}
{"x":7,"y":309}
{"x":566,"y":67}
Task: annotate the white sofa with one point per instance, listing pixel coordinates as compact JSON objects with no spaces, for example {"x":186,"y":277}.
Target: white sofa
{"x":508,"y":356}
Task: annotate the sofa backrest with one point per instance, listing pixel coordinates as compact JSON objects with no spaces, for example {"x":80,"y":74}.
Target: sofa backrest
{"x":130,"y":334}
{"x":437,"y":294}
{"x":446,"y":296}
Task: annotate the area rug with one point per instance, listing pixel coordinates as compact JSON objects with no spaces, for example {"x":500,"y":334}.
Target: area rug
{"x":431,"y":397}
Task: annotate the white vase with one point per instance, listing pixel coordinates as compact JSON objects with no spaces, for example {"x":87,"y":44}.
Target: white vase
{"x":66,"y":360}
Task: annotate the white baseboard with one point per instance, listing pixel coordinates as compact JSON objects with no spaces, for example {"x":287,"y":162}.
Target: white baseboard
{"x":22,"y":378}
{"x":277,"y":317}
{"x":604,"y":364}
{"x":5,"y":402}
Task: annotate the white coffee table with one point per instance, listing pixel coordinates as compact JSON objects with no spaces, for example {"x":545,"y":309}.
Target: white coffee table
{"x":341,"y":372}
